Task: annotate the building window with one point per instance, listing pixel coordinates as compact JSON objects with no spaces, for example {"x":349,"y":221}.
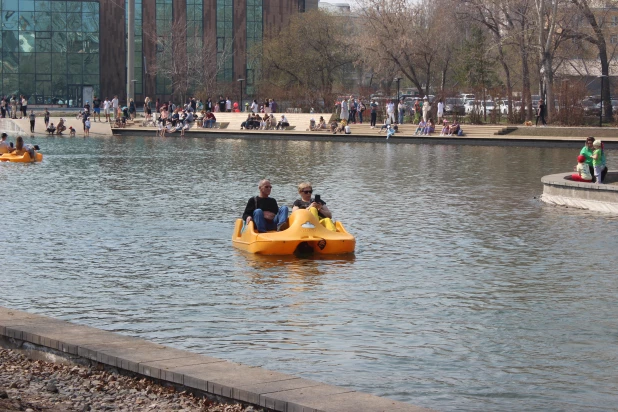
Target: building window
{"x":138,"y":70}
{"x":50,"y":50}
{"x":613,"y":39}
{"x":225,"y":33}
{"x":254,"y":41}
{"x":164,"y":18}
{"x":195,"y":25}
{"x":614,"y":21}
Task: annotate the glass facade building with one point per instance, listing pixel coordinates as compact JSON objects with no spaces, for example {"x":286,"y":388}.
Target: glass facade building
{"x":225,"y":35}
{"x":255,"y":33}
{"x":139,"y":41}
{"x":54,"y":51}
{"x":50,"y":49}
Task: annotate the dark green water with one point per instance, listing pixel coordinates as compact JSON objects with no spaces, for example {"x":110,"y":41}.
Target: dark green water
{"x":465,"y":292}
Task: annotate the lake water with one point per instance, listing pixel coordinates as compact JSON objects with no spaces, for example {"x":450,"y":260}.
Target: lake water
{"x":465,"y":291}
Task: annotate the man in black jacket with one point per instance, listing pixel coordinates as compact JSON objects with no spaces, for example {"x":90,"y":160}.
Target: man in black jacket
{"x":264,"y":211}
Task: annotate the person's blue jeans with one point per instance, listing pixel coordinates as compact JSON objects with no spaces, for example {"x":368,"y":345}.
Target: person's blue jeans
{"x":401,"y":113}
{"x":209,"y":122}
{"x":262,"y":225}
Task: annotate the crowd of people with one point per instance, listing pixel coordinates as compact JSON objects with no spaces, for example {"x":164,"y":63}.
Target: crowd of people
{"x":171,"y":118}
{"x":12,"y":106}
{"x":265,"y":122}
{"x":267,"y":215}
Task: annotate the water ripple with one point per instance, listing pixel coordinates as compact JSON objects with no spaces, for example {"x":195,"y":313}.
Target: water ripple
{"x":465,"y":292}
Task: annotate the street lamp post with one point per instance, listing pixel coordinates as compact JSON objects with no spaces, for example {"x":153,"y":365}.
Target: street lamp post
{"x":397,"y":79}
{"x":130,"y":49}
{"x":601,"y":111}
{"x":241,"y":106}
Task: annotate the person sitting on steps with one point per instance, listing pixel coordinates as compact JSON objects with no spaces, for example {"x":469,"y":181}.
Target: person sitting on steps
{"x":283,"y":123}
{"x":454,"y":128}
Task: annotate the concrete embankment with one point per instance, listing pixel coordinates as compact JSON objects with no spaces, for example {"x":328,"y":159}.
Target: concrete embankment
{"x":494,"y":135}
{"x":205,"y":375}
{"x":559,"y":189}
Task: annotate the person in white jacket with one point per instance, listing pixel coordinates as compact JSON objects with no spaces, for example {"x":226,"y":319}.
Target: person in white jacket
{"x":390,"y":112}
{"x":440,"y":114}
{"x":426,"y":109}
{"x":345,"y":109}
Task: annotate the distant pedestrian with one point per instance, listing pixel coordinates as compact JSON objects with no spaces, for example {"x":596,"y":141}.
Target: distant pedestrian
{"x":106,"y":108}
{"x":46,"y":118}
{"x":115,"y":107}
{"x":540,"y":113}
{"x":426,"y":109}
{"x":96,"y":107}
{"x":87,"y":127}
{"x":374,"y":113}
{"x":390,"y":111}
{"x":345,"y":111}
{"x":24,"y":105}
{"x":32,"y":118}
{"x":13,"y":113}
{"x":361,"y":110}
{"x":440,"y":114}
{"x":401,"y":111}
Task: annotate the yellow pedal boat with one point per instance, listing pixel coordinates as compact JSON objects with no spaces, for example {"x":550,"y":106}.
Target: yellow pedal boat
{"x":304,"y":234}
{"x":25,"y":158}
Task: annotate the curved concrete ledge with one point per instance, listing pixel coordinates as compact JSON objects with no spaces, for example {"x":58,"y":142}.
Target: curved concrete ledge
{"x":559,"y":189}
{"x":211,"y":377}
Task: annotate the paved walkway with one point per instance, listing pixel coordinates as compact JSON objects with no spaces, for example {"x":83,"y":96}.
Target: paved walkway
{"x":212,"y":376}
{"x":475,"y":134}
{"x":22,"y":126}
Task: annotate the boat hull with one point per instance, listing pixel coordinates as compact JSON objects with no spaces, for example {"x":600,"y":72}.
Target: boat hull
{"x":305,"y":234}
{"x":25,"y":158}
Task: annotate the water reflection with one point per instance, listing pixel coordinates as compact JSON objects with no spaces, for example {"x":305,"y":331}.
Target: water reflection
{"x":465,"y":292}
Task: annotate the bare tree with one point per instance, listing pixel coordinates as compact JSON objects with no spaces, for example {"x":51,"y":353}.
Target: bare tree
{"x":184,"y":61}
{"x":310,"y":56}
{"x":404,"y":34}
{"x":491,"y":15}
{"x":519,"y":24}
{"x":547,"y":15}
{"x":596,"y":38}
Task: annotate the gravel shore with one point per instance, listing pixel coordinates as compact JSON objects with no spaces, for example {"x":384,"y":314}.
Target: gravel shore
{"x":28,"y":385}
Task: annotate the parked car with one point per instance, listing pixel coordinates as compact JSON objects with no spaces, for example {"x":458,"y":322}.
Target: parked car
{"x":470,"y":105}
{"x":490,"y":106}
{"x":479,"y":107}
{"x":454,"y":105}
{"x":614,"y":105}
{"x":590,"y":107}
{"x":503,"y":106}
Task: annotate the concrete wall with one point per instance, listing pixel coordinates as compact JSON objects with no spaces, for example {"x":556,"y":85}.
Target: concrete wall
{"x":558,"y":189}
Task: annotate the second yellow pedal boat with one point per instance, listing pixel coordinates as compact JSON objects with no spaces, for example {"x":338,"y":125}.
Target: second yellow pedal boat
{"x":25,"y":158}
{"x":305,"y":234}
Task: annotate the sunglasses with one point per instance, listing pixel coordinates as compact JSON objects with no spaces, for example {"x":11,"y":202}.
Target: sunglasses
{"x":307,"y":191}
{"x":267,"y":187}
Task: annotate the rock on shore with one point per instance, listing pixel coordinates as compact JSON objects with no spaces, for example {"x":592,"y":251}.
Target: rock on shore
{"x":32,"y":386}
